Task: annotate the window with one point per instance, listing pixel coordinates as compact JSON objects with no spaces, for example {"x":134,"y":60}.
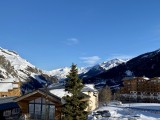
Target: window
{"x":15,"y":111}
{"x":38,"y":109}
{"x":7,"y":113}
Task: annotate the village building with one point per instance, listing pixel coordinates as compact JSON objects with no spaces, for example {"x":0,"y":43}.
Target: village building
{"x":88,"y":89}
{"x":40,"y":104}
{"x":9,"y":87}
{"x":46,"y":104}
{"x":9,"y":109}
{"x":140,"y":89}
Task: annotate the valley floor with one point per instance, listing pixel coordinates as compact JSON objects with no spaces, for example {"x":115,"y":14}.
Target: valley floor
{"x":132,"y":111}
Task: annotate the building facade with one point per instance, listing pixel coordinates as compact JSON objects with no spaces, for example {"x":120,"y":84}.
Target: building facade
{"x":10,"y":87}
{"x":140,"y":89}
{"x":9,"y":110}
{"x":93,"y":99}
{"x":46,"y":104}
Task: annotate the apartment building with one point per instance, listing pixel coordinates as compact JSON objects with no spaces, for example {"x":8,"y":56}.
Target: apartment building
{"x":140,"y":89}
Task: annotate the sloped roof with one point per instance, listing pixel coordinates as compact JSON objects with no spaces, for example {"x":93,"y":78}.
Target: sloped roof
{"x":88,"y":87}
{"x":38,"y":93}
{"x":60,"y":86}
{"x":4,"y":87}
{"x":59,"y":92}
{"x":8,"y":103}
{"x":9,"y":80}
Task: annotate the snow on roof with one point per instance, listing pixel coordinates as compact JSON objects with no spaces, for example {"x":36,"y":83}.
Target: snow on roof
{"x":15,"y":85}
{"x":59,"y":92}
{"x":9,"y":80}
{"x":4,"y":87}
{"x":88,"y":87}
{"x":6,"y":84}
{"x":145,"y":78}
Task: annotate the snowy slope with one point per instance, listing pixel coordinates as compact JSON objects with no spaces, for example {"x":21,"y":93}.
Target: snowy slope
{"x":109,"y":64}
{"x":103,"y":67}
{"x":112,"y":63}
{"x":16,"y":61}
{"x":14,"y":66}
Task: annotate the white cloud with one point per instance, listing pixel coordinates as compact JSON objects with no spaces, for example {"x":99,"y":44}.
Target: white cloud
{"x":72,"y":41}
{"x":90,"y":60}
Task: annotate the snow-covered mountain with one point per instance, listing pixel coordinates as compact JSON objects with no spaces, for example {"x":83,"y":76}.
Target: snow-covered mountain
{"x":112,"y":63}
{"x":14,"y":66}
{"x":61,"y":73}
{"x":103,"y":67}
{"x":146,"y":64}
{"x":87,"y":71}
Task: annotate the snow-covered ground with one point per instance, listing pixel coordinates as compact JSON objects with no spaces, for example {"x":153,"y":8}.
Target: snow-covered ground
{"x":134,"y":111}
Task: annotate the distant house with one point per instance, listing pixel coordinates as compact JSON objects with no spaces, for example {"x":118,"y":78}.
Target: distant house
{"x":88,"y":89}
{"x":9,"y":87}
{"x":46,"y":104}
{"x":9,"y":110}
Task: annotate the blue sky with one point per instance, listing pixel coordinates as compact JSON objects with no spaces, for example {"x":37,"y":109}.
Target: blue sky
{"x":56,"y":33}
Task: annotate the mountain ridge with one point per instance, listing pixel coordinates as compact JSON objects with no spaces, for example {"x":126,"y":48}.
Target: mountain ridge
{"x":14,"y":66}
{"x":61,"y":73}
{"x":109,"y":72}
{"x":146,"y":64}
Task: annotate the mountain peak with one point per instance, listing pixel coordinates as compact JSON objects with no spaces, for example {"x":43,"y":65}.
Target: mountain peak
{"x":15,"y":60}
{"x":111,"y":63}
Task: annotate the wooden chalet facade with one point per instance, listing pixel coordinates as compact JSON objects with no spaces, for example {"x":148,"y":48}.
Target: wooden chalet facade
{"x":40,"y":105}
{"x":46,"y":104}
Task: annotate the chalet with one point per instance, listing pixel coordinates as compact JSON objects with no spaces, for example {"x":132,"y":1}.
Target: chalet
{"x":46,"y":104}
{"x":40,"y":104}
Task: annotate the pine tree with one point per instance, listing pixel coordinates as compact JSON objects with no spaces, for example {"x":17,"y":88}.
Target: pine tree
{"x":74,"y":107}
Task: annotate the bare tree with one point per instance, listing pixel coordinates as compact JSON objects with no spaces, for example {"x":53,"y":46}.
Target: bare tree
{"x":105,"y":95}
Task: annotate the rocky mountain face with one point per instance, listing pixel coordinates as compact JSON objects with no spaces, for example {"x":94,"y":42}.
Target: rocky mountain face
{"x":147,"y":65}
{"x":13,"y":66}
